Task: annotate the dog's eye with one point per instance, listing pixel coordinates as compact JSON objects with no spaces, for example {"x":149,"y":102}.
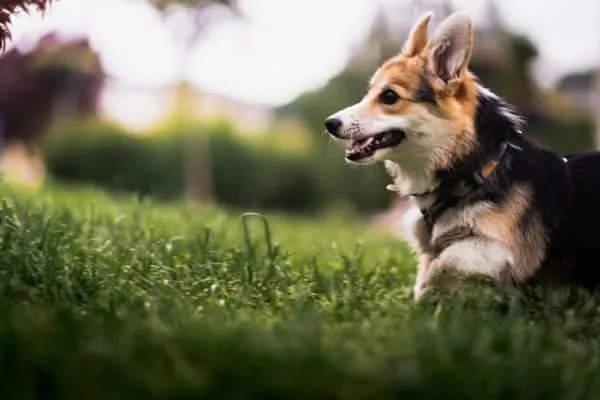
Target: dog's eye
{"x":389,"y":97}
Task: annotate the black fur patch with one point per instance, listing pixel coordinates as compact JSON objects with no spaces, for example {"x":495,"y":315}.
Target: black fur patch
{"x":565,"y":193}
{"x":425,"y":93}
{"x":578,"y":238}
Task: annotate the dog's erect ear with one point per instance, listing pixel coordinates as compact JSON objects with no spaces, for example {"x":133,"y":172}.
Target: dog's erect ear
{"x":450,"y":47}
{"x":418,"y":37}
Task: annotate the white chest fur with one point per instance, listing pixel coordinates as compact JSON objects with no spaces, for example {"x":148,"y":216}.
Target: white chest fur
{"x":481,"y":238}
{"x":452,"y":226}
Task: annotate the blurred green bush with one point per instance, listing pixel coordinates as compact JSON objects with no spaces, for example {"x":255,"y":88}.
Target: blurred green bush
{"x":242,"y":173}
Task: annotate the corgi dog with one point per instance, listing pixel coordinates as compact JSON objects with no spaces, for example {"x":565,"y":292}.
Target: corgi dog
{"x":486,"y":200}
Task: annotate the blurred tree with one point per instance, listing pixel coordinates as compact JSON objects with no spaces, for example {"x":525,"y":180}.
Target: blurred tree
{"x":57,"y":79}
{"x":191,"y":17}
{"x":188,"y":19}
{"x":9,"y":7}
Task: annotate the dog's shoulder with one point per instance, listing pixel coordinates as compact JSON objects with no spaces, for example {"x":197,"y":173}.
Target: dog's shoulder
{"x":546,"y":174}
{"x":520,"y":205}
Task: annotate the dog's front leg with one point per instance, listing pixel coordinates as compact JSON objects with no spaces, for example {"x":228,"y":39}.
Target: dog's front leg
{"x":422,"y":271}
{"x":474,"y":256}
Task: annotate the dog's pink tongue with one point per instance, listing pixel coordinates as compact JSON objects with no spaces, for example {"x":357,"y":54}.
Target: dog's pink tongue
{"x":361,"y":144}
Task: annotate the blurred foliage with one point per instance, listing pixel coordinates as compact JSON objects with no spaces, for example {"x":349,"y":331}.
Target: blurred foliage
{"x":244,"y":174}
{"x":570,"y":135}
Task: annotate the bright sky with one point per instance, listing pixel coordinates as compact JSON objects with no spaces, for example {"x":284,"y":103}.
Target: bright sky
{"x":284,"y":47}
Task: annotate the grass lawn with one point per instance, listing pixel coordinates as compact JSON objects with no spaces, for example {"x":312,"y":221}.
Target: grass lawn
{"x":112,"y":299}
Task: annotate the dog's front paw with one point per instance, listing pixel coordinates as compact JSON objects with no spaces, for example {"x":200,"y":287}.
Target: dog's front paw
{"x":420,"y":290}
{"x":438,"y":277}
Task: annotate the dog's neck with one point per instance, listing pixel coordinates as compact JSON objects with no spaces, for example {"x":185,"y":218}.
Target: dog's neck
{"x":495,"y":125}
{"x":496,"y":122}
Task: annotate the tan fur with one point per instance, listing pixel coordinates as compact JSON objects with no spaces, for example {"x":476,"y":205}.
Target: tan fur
{"x":489,"y":168}
{"x":528,"y":244}
{"x":418,"y":37}
{"x":519,"y":249}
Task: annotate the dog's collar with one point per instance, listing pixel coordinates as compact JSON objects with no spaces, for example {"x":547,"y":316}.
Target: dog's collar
{"x":455,"y":188}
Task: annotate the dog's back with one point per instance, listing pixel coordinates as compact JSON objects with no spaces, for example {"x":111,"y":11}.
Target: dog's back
{"x":578,"y":237}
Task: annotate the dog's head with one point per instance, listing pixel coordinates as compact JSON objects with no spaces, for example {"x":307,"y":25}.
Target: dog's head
{"x":420,"y":106}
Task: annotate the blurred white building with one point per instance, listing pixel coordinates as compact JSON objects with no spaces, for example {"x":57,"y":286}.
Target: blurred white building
{"x":140,"y":108}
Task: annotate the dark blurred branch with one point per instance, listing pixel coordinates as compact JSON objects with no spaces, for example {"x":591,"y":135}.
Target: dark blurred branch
{"x":192,"y":18}
{"x":199,"y":12}
{"x":9,"y":7}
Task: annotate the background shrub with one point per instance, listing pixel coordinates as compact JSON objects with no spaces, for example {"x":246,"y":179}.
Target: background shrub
{"x":243,"y":173}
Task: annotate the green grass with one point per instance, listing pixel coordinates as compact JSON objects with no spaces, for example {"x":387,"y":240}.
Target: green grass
{"x":105,"y":298}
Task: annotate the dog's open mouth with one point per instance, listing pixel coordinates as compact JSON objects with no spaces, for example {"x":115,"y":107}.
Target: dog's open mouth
{"x":366,"y":147}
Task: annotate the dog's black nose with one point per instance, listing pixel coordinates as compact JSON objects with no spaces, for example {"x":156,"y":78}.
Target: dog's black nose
{"x":333,"y":126}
